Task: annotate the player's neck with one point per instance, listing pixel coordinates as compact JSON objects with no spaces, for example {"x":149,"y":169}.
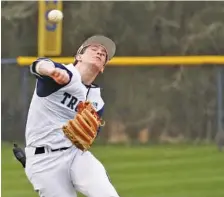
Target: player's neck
{"x":87,"y":74}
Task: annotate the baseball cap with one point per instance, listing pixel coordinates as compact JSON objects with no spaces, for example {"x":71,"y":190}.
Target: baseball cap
{"x":106,"y":42}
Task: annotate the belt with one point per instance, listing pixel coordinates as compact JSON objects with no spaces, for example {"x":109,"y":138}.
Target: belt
{"x":41,"y":150}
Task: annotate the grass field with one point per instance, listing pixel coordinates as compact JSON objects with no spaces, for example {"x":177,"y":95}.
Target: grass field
{"x":141,"y":171}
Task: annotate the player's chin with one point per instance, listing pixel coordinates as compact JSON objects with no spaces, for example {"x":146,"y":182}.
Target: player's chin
{"x":98,"y":65}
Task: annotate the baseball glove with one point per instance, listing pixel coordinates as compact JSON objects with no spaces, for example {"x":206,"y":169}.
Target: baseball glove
{"x":82,"y":130}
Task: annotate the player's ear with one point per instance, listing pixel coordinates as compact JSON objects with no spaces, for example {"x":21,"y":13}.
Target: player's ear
{"x":102,"y":69}
{"x":78,"y":57}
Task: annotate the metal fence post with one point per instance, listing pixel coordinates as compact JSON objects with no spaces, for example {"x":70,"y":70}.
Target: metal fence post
{"x":220,"y":85}
{"x":220,"y":98}
{"x":24,"y":92}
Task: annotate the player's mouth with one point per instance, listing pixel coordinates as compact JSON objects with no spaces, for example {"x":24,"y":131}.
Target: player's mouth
{"x":98,"y":58}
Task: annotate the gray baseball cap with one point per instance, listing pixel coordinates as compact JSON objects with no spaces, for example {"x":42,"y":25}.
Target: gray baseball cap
{"x":106,"y":42}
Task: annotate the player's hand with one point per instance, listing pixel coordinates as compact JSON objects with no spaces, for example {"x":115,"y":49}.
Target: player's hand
{"x":60,"y":76}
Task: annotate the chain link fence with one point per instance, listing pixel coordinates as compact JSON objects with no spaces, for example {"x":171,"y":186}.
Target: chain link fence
{"x":143,"y":104}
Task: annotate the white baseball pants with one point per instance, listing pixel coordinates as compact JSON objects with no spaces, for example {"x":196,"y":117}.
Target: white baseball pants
{"x":62,"y":173}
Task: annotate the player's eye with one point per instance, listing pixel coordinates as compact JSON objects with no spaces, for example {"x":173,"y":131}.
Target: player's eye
{"x":94,"y":48}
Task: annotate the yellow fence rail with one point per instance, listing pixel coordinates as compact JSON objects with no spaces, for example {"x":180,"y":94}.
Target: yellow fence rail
{"x":143,"y":61}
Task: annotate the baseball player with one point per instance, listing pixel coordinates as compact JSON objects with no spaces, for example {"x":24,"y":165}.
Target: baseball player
{"x":58,"y":163}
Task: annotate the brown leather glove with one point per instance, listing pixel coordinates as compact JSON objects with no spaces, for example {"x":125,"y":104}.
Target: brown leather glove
{"x":82,"y":130}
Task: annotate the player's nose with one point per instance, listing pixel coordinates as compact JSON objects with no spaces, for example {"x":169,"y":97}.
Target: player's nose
{"x":99,"y":53}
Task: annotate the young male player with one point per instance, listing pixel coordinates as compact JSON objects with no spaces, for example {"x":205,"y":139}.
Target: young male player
{"x":54,"y":165}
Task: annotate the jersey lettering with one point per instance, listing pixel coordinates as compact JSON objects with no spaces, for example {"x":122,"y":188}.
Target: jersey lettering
{"x":66,"y":95}
{"x":71,"y":100}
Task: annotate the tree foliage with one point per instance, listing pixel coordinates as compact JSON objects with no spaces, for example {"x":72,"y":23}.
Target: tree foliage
{"x":178,"y":100}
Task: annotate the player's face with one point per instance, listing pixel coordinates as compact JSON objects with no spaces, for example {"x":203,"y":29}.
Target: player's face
{"x":95,"y":55}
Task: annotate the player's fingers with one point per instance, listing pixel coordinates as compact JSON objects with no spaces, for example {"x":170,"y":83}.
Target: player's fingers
{"x":63,"y":77}
{"x":66,"y":76}
{"x":59,"y":80}
{"x":56,"y":72}
{"x":57,"y":77}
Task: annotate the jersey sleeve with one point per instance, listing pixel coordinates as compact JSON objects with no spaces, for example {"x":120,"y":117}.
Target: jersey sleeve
{"x":57,"y":65}
{"x":46,"y":85}
{"x":100,"y":112}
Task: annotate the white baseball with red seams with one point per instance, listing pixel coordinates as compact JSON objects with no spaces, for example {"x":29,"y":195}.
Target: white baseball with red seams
{"x":55,"y":16}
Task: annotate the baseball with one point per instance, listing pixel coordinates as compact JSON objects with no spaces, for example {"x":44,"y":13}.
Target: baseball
{"x":55,"y":16}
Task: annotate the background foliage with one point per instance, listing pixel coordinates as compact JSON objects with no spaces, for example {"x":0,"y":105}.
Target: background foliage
{"x":177,"y":102}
